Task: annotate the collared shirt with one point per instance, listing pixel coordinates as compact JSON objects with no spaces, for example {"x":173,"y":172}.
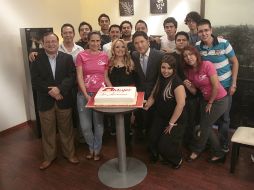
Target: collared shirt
{"x":219,"y":54}
{"x":146,"y":54}
{"x":107,"y":49}
{"x":52,"y":61}
{"x":74,"y":52}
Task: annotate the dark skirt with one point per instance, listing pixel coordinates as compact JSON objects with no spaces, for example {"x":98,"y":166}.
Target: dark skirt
{"x":167,"y":145}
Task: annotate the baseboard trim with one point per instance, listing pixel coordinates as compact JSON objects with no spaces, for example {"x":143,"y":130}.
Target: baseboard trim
{"x":16,"y":127}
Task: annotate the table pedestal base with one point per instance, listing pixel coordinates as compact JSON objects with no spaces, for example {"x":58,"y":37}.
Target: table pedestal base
{"x":110,"y":175}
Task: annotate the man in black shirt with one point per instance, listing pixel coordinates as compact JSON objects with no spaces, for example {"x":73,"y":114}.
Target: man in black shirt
{"x":84,"y":28}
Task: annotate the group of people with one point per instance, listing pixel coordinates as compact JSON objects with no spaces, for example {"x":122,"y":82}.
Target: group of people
{"x":188,"y":79}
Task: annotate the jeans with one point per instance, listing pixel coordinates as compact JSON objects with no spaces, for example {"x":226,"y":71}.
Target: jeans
{"x":206,"y":132}
{"x":223,"y":125}
{"x":89,"y":119}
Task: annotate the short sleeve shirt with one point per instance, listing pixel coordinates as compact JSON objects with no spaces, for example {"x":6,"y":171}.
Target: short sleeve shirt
{"x":201,"y":80}
{"x":165,"y":107}
{"x":94,"y":67}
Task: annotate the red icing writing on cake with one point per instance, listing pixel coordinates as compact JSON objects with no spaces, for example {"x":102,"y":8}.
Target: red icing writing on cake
{"x":111,"y":89}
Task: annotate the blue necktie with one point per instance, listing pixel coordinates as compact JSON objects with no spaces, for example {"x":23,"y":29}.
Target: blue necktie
{"x":144,"y":63}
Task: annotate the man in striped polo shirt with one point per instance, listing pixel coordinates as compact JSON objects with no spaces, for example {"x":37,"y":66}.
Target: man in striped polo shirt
{"x":221,"y":54}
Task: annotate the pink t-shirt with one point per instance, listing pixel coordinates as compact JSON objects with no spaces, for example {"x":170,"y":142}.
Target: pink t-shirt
{"x":94,"y":67}
{"x":201,"y":80}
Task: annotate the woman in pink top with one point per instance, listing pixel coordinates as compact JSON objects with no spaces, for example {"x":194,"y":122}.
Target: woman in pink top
{"x":92,"y":74}
{"x":202,"y":75}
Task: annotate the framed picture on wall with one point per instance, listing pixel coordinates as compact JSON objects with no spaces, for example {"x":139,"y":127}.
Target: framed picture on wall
{"x":126,"y":7}
{"x":158,"y":6}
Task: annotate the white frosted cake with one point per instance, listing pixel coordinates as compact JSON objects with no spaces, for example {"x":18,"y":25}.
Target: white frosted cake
{"x":124,"y":95}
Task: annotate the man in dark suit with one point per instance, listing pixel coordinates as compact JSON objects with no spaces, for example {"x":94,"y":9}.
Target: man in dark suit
{"x":53,"y":77}
{"x":147,"y":62}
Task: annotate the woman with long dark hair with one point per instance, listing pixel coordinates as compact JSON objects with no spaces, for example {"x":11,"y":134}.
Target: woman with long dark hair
{"x":166,"y":133}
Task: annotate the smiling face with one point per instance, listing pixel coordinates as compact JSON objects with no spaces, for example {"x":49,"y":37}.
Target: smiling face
{"x":104,"y":23}
{"x":141,"y":27}
{"x":50,"y":44}
{"x":83,"y":31}
{"x":114,"y":33}
{"x":126,"y":30}
{"x":94,"y":42}
{"x":170,"y":29}
{"x":141,"y":44}
{"x":190,"y":58}
{"x":68,"y":34}
{"x":205,"y":33}
{"x":119,"y":49}
{"x":181,"y":42}
{"x":166,"y":70}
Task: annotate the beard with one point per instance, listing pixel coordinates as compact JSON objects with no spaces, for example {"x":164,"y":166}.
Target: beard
{"x":126,"y":35}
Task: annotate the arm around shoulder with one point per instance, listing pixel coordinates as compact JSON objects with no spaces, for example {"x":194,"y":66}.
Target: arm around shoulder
{"x":68,"y":81}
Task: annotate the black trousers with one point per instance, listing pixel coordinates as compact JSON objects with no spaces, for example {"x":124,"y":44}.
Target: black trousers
{"x":144,"y":118}
{"x":167,"y":145}
{"x":191,"y":119}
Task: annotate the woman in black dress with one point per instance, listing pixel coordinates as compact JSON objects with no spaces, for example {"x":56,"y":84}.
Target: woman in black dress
{"x":166,"y":133}
{"x":121,"y":73}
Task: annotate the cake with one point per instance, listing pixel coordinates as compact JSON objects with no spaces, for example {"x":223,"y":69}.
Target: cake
{"x":125,"y":95}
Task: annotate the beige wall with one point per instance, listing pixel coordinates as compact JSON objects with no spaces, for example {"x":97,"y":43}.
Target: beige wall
{"x":177,"y":9}
{"x":17,"y":14}
{"x":230,"y":12}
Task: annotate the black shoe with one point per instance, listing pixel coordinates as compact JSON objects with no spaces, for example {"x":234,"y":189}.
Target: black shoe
{"x":177,"y":166}
{"x":164,"y":162}
{"x":225,"y":148}
{"x":154,"y":157}
{"x":219,"y":160}
{"x":190,"y":159}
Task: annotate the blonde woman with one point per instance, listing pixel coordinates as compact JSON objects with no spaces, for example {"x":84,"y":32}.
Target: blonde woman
{"x":121,"y":73}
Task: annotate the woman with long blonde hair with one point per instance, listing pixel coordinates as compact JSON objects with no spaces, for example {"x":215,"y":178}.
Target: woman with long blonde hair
{"x":121,"y":73}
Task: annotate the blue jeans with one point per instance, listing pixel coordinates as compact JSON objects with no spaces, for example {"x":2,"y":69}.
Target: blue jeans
{"x":223,"y":125}
{"x":89,"y":119}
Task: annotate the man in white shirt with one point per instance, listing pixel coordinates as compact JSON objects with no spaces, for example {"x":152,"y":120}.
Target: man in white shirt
{"x":168,"y":40}
{"x":114,"y":33}
{"x":68,"y":45}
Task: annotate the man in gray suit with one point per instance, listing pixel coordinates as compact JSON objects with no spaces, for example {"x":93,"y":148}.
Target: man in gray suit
{"x":147,"y":62}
